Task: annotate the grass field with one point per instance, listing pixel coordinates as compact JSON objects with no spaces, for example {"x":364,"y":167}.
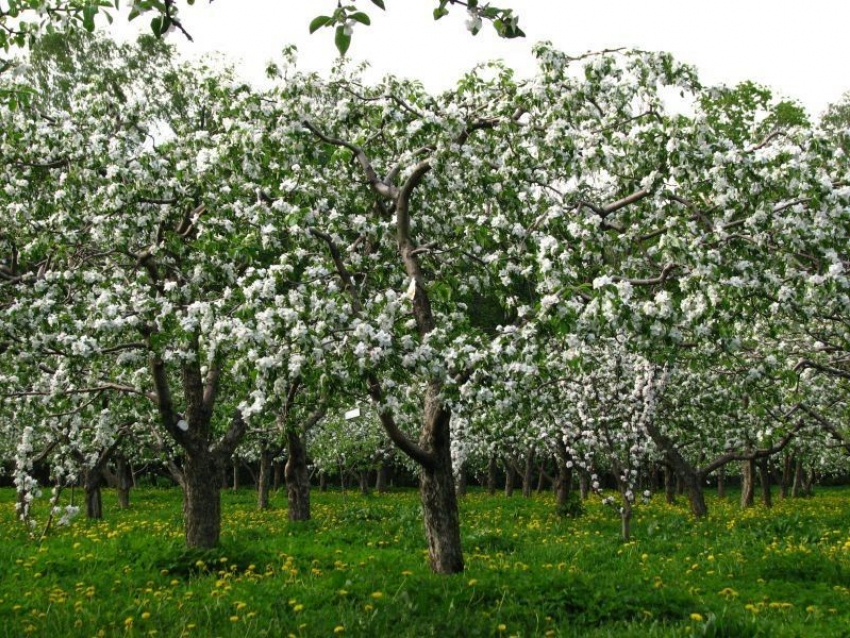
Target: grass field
{"x":359,"y":569}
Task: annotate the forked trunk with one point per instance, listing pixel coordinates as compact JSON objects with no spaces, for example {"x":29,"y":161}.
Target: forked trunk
{"x":297,"y":478}
{"x":201,"y":500}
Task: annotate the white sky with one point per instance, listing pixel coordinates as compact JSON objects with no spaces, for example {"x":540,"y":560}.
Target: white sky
{"x":800,"y":49}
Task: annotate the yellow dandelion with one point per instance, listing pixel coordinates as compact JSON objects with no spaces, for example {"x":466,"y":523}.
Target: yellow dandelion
{"x":696,"y":617}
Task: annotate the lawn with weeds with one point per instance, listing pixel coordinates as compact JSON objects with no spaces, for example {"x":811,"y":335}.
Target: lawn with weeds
{"x":359,"y":568}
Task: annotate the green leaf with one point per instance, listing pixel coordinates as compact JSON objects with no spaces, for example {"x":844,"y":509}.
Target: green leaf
{"x":379,"y":4}
{"x":440,"y":12}
{"x":318,"y":22}
{"x":361,"y":17}
{"x":342,"y":40}
{"x":160,"y":25}
{"x":89,"y":12}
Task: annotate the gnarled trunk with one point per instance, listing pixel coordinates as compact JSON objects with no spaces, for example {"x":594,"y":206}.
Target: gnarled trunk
{"x":297,"y":478}
{"x":201,"y":499}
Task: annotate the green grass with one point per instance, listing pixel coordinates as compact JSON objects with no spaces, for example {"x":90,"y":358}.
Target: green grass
{"x":361,"y":565}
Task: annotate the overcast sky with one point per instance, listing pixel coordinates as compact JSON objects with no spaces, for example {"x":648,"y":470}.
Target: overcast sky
{"x":800,"y":49}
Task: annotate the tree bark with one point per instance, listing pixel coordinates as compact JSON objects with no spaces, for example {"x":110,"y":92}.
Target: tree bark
{"x":510,"y":478}
{"x":235,"y":484}
{"x":437,"y":488}
{"x":584,"y":484}
{"x":696,"y":497}
{"x":381,"y":479}
{"x":461,"y":482}
{"x":92,"y":482}
{"x":564,"y":486}
{"x":809,"y":482}
{"x":527,"y":474}
{"x":201,"y":499}
{"x":721,"y":483}
{"x":491,"y":475}
{"x":277,"y":477}
{"x":297,"y":478}
{"x":797,"y":488}
{"x":264,"y":480}
{"x":787,"y":475}
{"x":626,"y":521}
{"x":541,"y":478}
{"x":363,"y":480}
{"x":323,"y":482}
{"x":124,"y":477}
{"x":747,"y":483}
{"x":764,"y":476}
{"x":669,"y":486}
